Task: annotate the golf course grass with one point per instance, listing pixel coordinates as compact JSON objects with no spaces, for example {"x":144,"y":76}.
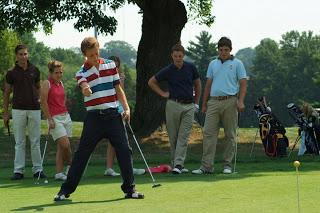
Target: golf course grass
{"x":260,"y":184}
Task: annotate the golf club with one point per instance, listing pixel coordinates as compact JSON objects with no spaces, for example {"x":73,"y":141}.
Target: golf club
{"x":85,"y":169}
{"x":236,"y":146}
{"x":294,"y":145}
{"x":42,"y":158}
{"x":135,"y":140}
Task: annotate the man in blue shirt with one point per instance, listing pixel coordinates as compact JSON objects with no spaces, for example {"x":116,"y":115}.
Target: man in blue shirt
{"x":183,"y":79}
{"x":223,"y":98}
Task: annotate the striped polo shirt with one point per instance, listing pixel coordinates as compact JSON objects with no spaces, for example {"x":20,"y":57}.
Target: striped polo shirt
{"x":102,"y":83}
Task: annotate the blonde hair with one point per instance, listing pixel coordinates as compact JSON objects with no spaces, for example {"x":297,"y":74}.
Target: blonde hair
{"x":89,"y":43}
{"x":307,"y":110}
{"x":54,"y":64}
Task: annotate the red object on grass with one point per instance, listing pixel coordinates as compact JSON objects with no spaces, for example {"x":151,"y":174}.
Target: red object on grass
{"x":163,"y":168}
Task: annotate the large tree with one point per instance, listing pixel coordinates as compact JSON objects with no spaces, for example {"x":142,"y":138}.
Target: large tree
{"x":163,"y":21}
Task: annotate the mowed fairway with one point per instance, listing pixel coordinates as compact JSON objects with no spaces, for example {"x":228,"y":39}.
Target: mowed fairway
{"x":257,"y":187}
{"x":261,"y":184}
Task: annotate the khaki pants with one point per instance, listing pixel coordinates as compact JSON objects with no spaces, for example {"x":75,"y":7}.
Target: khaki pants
{"x":26,"y":120}
{"x":224,"y":111}
{"x":179,"y":118}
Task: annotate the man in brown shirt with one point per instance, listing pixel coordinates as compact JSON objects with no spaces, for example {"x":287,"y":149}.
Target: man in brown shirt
{"x":24,"y":81}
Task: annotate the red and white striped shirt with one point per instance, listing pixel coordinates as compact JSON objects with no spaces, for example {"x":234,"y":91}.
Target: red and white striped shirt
{"x":102,"y":83}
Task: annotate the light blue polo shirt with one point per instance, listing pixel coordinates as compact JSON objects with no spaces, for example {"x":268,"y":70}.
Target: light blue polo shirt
{"x":225,"y":76}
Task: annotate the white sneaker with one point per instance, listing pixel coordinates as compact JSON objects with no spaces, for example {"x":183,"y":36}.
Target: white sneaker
{"x":60,"y":176}
{"x":184,"y":170}
{"x":139,"y":171}
{"x":176,"y":171}
{"x":111,"y":172}
{"x":227,"y":170}
{"x":200,"y":172}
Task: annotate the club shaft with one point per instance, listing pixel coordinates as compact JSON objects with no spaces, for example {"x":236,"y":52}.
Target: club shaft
{"x":135,"y":140}
{"x":42,"y":158}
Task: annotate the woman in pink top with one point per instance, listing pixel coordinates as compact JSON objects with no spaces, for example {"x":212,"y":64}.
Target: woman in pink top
{"x":53,"y":101}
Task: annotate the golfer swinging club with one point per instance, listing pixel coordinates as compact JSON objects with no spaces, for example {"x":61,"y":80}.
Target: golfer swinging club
{"x":99,"y":82}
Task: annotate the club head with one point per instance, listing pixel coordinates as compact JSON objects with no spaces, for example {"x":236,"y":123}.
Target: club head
{"x":156,"y":185}
{"x":36,"y":183}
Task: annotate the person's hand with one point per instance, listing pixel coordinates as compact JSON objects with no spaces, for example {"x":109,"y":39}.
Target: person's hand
{"x":6,"y":119}
{"x":165,"y":95}
{"x":52,"y":124}
{"x":86,"y":91}
{"x":126,"y":115}
{"x":204,"y":108}
{"x":240,"y":106}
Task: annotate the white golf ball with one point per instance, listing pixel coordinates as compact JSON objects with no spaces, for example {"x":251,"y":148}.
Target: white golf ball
{"x":46,"y":181}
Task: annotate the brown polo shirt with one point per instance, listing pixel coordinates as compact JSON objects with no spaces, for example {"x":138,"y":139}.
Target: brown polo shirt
{"x":25,"y":87}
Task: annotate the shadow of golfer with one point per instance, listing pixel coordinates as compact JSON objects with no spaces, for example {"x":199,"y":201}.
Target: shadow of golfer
{"x":62,"y":203}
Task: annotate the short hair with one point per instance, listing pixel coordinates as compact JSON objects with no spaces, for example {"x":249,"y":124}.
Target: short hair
{"x":54,"y":64}
{"x":20,"y":47}
{"x":88,"y":43}
{"x":116,"y":59}
{"x":177,"y":47}
{"x":225,"y":41}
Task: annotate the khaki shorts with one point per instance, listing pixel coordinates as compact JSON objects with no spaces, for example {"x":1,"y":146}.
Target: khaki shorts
{"x":63,"y":126}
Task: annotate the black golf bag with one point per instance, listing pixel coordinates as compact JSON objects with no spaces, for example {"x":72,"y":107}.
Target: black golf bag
{"x":309,"y":130}
{"x":272,"y":132}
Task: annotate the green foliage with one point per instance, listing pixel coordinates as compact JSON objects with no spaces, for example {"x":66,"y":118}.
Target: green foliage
{"x":39,"y":54}
{"x":31,"y":15}
{"x":123,"y":50}
{"x":200,"y":10}
{"x":8,"y":42}
{"x":286,"y":72}
{"x":247,"y":55}
{"x":201,"y":53}
{"x":130,"y":85}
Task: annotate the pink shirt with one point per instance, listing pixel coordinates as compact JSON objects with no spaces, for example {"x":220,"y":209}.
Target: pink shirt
{"x":56,"y":98}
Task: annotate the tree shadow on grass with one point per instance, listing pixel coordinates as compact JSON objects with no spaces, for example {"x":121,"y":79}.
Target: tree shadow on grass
{"x":62,"y":203}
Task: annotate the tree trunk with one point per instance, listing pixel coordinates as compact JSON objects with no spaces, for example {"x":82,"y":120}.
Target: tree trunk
{"x":163,"y":21}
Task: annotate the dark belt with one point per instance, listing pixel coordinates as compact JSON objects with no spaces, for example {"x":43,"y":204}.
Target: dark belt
{"x":182,"y":101}
{"x":221,"y":98}
{"x":103,"y":111}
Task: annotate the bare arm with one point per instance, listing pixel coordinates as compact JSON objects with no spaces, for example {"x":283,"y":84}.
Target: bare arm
{"x":123,"y":100}
{"x":206,"y":94}
{"x":44,"y":103}
{"x":197,"y":90}
{"x":6,"y":96}
{"x":242,"y":94}
{"x":154,"y":85}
